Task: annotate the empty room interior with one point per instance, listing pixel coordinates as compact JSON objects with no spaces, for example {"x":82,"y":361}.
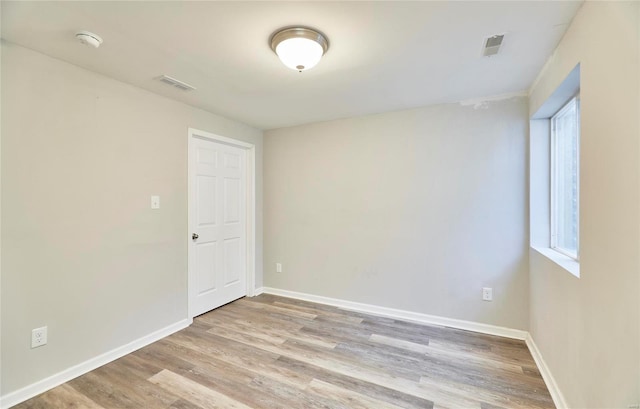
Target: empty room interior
{"x":320,"y":204}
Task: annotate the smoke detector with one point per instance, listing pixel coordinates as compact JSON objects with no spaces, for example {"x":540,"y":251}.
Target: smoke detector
{"x":492,"y":45}
{"x":88,"y":38}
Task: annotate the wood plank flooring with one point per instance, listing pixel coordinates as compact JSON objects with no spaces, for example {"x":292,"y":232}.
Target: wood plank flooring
{"x":275,"y":352}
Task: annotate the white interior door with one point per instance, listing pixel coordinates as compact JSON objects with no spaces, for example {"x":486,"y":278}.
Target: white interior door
{"x":218,"y":215}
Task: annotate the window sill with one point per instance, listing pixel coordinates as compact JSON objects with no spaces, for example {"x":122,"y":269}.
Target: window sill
{"x":563,"y":261}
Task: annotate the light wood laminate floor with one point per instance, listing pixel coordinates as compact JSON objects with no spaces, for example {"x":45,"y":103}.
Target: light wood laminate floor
{"x":274,"y":352}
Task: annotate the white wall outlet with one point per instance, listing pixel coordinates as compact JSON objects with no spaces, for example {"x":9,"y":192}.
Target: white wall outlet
{"x":38,"y":337}
{"x":278,"y":267}
{"x":487,"y":293}
{"x":155,"y":202}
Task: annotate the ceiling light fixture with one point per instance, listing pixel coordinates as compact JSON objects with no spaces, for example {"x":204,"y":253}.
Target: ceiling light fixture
{"x":299,"y":48}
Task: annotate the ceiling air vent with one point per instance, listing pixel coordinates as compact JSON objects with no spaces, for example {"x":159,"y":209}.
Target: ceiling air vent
{"x":178,"y":84}
{"x":492,"y":45}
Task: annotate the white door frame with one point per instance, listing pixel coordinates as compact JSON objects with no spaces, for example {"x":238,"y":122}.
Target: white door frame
{"x":251,"y":210}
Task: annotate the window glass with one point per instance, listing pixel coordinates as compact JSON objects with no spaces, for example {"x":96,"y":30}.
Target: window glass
{"x":565,"y":185}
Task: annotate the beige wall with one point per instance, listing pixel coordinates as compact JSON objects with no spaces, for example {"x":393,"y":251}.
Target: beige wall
{"x":83,"y":252}
{"x":587,"y":328}
{"x":415,"y":210}
{"x":0,"y":215}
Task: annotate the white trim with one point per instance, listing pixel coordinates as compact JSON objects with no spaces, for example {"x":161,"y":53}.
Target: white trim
{"x":250,"y":209}
{"x":566,"y":262}
{"x":403,"y":314}
{"x":549,"y":380}
{"x":258,"y":291}
{"x":221,"y":139}
{"x":82,"y":368}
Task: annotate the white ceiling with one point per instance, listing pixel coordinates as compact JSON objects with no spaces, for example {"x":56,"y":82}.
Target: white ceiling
{"x":383,"y":56}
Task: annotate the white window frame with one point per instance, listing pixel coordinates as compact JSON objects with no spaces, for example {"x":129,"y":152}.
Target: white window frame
{"x":553,"y":182}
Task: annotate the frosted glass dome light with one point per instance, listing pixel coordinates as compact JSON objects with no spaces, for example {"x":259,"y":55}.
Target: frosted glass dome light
{"x":299,"y":48}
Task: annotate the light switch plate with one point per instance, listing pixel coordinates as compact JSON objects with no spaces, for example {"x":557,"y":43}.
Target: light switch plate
{"x":155,"y":202}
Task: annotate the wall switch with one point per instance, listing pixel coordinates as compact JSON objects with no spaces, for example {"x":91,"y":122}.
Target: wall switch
{"x":38,"y":337}
{"x":155,"y":202}
{"x":278,"y":267}
{"x":487,"y":294}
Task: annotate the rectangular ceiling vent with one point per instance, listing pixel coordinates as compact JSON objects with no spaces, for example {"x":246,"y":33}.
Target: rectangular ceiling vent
{"x":178,"y":84}
{"x":492,"y":45}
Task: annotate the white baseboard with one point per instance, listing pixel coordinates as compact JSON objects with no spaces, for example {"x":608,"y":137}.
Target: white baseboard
{"x":554,"y":390}
{"x":44,"y":385}
{"x":402,"y":314}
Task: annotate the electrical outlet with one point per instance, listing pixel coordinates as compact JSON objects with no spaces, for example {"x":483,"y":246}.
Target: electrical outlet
{"x":487,"y":294}
{"x":155,"y":202}
{"x":278,"y":267}
{"x":38,"y":337}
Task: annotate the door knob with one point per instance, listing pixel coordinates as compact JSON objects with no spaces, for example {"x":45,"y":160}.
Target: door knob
{"x":194,"y":236}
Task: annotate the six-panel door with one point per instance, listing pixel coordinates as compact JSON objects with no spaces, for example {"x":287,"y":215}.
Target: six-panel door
{"x":218,"y":189}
